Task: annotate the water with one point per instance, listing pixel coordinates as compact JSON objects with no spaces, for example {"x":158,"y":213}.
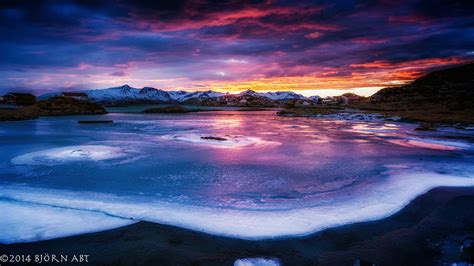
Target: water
{"x":267,"y":177}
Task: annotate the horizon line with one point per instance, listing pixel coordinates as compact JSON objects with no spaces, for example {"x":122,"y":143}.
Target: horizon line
{"x":362,"y":91}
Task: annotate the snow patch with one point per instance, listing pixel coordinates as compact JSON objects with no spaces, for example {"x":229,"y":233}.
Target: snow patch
{"x":257,"y":262}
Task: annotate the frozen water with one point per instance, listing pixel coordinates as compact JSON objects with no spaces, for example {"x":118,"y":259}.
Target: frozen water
{"x":26,"y":221}
{"x":259,"y":176}
{"x":224,"y":141}
{"x":363,"y":203}
{"x":432,"y":144}
{"x":70,"y":154}
{"x":356,"y":116}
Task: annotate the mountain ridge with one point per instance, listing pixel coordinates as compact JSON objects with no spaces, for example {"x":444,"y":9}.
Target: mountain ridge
{"x":126,"y":94}
{"x":452,"y":88}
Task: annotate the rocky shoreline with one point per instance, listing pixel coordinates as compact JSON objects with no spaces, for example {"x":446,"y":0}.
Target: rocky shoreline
{"x":452,"y":118}
{"x":24,"y":113}
{"x":443,"y":97}
{"x":429,"y":231}
{"x":57,"y":106}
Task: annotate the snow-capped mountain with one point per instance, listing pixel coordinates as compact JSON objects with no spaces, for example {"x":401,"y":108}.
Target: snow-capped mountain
{"x":128,"y":94}
{"x":276,"y":96}
{"x":155,"y":94}
{"x":177,"y":95}
{"x":283,"y":95}
{"x":249,"y":93}
{"x":201,"y":95}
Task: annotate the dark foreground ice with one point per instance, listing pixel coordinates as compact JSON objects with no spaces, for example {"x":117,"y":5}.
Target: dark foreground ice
{"x":250,"y":175}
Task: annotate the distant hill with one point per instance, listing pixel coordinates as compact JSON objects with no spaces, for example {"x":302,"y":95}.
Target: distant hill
{"x":452,"y":88}
{"x":443,"y":96}
{"x":128,"y":95}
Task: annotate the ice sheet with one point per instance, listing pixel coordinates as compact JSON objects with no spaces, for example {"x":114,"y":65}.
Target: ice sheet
{"x":269,"y":177}
{"x":217,"y":141}
{"x":30,"y":222}
{"x":373,"y":201}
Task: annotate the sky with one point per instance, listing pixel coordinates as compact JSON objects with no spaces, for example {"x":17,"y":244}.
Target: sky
{"x":310,"y":47}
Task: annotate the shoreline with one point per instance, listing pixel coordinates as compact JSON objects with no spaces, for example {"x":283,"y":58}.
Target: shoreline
{"x":439,"y":117}
{"x":429,"y":118}
{"x":418,"y":234}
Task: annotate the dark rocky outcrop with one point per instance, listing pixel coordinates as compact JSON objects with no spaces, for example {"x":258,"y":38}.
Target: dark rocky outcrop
{"x":452,"y":88}
{"x":67,"y":106}
{"x":214,"y":138}
{"x":25,"y":113}
{"x":443,"y":96}
{"x":55,"y":106}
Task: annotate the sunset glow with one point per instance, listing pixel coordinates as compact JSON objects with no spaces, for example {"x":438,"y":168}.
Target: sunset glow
{"x":309,"y":48}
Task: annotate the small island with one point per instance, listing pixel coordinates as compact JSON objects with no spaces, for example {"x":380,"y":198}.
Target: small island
{"x":214,"y":138}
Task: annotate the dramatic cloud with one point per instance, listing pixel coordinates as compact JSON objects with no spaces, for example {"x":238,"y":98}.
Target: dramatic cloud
{"x":306,"y":46}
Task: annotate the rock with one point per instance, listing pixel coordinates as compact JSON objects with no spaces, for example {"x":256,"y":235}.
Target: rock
{"x":214,"y":138}
{"x":426,"y":127}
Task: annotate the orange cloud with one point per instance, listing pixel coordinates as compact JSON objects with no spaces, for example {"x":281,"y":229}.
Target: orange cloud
{"x":377,"y":74}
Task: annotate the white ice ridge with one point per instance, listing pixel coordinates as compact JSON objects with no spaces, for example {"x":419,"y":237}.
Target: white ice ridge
{"x":70,"y":154}
{"x":434,"y":144}
{"x":371,"y":202}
